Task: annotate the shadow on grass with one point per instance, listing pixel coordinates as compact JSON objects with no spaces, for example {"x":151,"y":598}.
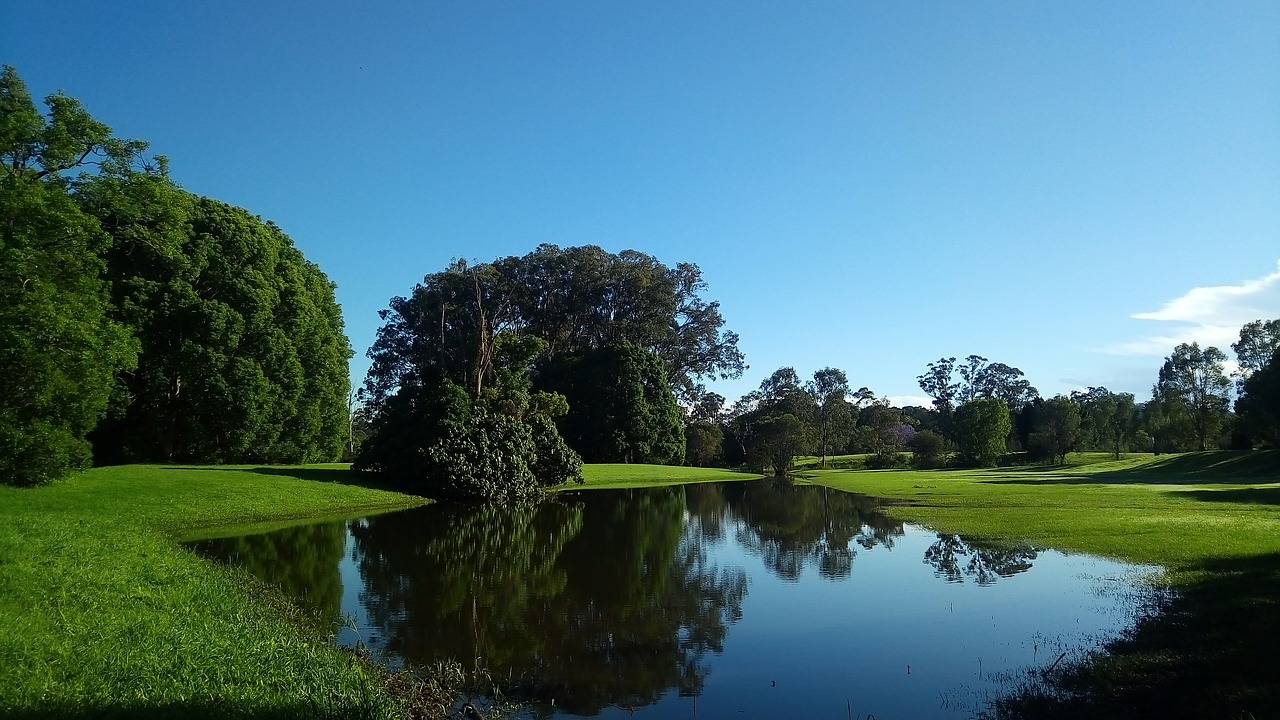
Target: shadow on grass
{"x":342,"y":476}
{"x":1210,"y":653}
{"x":1217,"y":467}
{"x":1248,"y":496}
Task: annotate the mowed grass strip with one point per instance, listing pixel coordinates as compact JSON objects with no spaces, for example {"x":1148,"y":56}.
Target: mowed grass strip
{"x":622,"y":475}
{"x":103,"y":614}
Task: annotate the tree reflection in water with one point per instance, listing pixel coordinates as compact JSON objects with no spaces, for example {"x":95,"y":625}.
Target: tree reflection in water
{"x":954,"y":558}
{"x":793,"y":526}
{"x":598,"y":599}
{"x":602,"y":599}
{"x":302,"y":561}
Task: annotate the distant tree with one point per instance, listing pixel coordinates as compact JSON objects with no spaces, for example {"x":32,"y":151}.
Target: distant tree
{"x":937,"y":383}
{"x":706,"y":407}
{"x":59,"y":348}
{"x":1195,"y":378}
{"x":831,"y":417}
{"x":1107,"y":418}
{"x":927,"y":448}
{"x":1057,"y":428}
{"x":702,"y":443}
{"x":981,"y":427}
{"x":777,"y":440}
{"x":1258,"y":342}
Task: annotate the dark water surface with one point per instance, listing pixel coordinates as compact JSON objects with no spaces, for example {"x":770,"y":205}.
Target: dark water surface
{"x":758,"y":599}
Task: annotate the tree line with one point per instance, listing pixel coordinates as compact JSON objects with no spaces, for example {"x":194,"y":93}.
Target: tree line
{"x":142,"y":322}
{"x":983,"y":412}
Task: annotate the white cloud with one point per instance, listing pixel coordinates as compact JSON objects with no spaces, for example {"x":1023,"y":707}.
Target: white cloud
{"x":901,"y":401}
{"x":1207,"y":315}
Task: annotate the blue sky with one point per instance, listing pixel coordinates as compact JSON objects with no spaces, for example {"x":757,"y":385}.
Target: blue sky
{"x":1067,"y":187}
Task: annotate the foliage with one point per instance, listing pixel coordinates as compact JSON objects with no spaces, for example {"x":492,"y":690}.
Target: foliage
{"x":440,"y":441}
{"x":951,"y":384}
{"x":702,"y":443}
{"x":1195,"y":379}
{"x":59,"y":348}
{"x":1108,"y":419}
{"x":981,"y":427}
{"x":244,"y":356}
{"x":1258,"y":343}
{"x":574,"y":300}
{"x":927,"y":448}
{"x":777,"y":440}
{"x":1259,"y":405}
{"x":621,"y":408}
{"x":831,"y":410}
{"x":1057,"y":429}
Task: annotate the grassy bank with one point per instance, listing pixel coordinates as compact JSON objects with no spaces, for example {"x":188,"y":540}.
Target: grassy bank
{"x":103,"y":614}
{"x":1211,"y":519}
{"x":619,"y":475}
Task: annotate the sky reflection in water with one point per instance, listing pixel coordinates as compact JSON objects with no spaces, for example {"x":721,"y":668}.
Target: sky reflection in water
{"x":755,"y":599}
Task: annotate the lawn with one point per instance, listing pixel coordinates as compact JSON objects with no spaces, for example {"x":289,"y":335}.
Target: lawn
{"x":105,"y":615}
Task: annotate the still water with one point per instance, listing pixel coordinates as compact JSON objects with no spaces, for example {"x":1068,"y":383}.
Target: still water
{"x":758,"y":599}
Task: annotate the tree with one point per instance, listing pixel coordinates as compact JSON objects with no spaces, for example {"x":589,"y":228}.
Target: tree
{"x":1259,"y":405}
{"x":702,"y":443}
{"x":777,"y":440}
{"x":1195,"y":378}
{"x":927,"y":447}
{"x":1258,"y":342}
{"x":1057,"y":428}
{"x":1108,"y":418}
{"x":981,"y":427}
{"x":831,"y":418}
{"x":937,"y":383}
{"x":244,"y":354}
{"x":621,"y":408}
{"x":59,"y":348}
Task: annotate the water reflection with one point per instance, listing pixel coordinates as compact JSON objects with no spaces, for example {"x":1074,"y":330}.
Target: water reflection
{"x":302,"y":561}
{"x":955,"y":558}
{"x":606,"y":601}
{"x":600,"y":600}
{"x":797,"y":526}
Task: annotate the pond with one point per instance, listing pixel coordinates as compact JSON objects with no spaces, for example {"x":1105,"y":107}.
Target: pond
{"x":759,"y":599}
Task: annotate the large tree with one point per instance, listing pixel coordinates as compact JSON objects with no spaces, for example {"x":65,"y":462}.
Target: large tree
{"x":1195,"y":378}
{"x":950,"y":384}
{"x":981,"y":427}
{"x":1259,"y":341}
{"x":59,"y":347}
{"x":1259,"y":405}
{"x":244,"y":355}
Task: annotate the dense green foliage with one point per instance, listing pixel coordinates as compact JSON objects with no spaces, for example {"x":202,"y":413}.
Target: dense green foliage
{"x":613,"y":333}
{"x":1193,"y":384}
{"x":196,"y":329}
{"x":981,"y":428}
{"x":244,"y":358}
{"x":1057,"y":429}
{"x":621,"y":408}
{"x":59,"y":347}
{"x":440,"y":441}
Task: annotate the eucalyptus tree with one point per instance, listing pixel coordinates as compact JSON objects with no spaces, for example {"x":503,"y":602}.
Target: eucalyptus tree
{"x":1259,"y":405}
{"x":1195,"y":378}
{"x":832,"y":415}
{"x":59,"y":347}
{"x":950,"y":384}
{"x":1108,"y":418}
{"x":1258,"y":343}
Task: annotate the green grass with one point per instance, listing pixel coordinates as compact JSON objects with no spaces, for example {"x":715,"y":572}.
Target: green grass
{"x":104,"y":615}
{"x":619,"y":475}
{"x":1211,"y":519}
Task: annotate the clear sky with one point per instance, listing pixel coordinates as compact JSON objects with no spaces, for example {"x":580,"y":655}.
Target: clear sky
{"x":1070,"y":188}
